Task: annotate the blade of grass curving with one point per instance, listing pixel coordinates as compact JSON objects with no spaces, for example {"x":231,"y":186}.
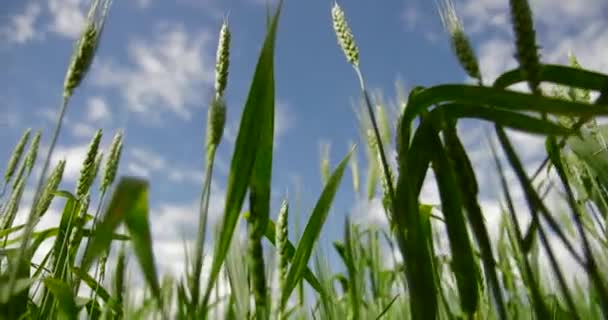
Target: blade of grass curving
{"x":313,"y":229}
{"x":467,"y":183}
{"x":136,"y":221}
{"x":259,"y":102}
{"x":463,"y":264}
{"x":558,"y":74}
{"x":413,"y":165}
{"x":498,"y":98}
{"x":506,"y":118}
{"x":129,"y":195}
{"x":534,"y":204}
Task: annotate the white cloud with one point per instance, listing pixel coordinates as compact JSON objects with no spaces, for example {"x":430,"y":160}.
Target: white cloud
{"x":143,"y":4}
{"x":283,"y":120}
{"x":67,"y":17}
{"x":21,"y":27}
{"x":144,"y":162}
{"x":495,"y":57}
{"x":82,"y":130}
{"x":98,"y":109}
{"x":166,"y":73}
{"x":411,"y":16}
{"x":152,"y":160}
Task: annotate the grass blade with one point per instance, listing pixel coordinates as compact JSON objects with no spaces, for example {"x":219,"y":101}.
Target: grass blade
{"x":136,"y":221}
{"x":309,"y":276}
{"x":498,"y":98}
{"x":259,"y":102}
{"x":558,"y":74}
{"x":463,"y":263}
{"x":312,"y":230}
{"x":63,"y":293}
{"x":505,"y":118}
{"x":415,"y":247}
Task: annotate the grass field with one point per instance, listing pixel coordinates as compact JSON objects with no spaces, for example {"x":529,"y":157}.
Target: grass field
{"x":445,"y":262}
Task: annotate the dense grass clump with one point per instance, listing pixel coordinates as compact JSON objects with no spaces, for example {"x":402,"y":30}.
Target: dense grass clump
{"x":433,"y":261}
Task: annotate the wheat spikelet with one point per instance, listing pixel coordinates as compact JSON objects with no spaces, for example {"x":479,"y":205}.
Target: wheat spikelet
{"x":346,"y":40}
{"x":111,"y":166}
{"x":97,"y":164}
{"x":32,"y":152}
{"x":216,"y":120}
{"x":16,"y":156}
{"x":324,"y":165}
{"x":86,"y":46}
{"x":87,"y":173}
{"x":222,"y":60}
{"x":51,"y":186}
{"x":461,"y":46}
{"x":281,"y":241}
{"x":13,"y":204}
{"x":525,"y":42}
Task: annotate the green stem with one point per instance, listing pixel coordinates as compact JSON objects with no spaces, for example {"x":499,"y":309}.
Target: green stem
{"x":93,"y":229}
{"x":202,"y":228}
{"x":385,"y":166}
{"x":29,"y":225}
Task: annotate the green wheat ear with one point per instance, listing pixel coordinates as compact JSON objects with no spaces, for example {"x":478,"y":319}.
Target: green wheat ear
{"x":346,"y":40}
{"x":461,"y":46}
{"x":281,"y":240}
{"x":49,"y":190}
{"x":86,"y":47}
{"x":32,"y":152}
{"x":16,"y":156}
{"x":525,"y":43}
{"x":8,"y":215}
{"x":324,"y":165}
{"x":87,"y":173}
{"x":216,"y":121}
{"x":222,"y":60}
{"x":111,"y":165}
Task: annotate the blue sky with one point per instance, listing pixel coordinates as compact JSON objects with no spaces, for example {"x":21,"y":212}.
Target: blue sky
{"x":154,"y":73}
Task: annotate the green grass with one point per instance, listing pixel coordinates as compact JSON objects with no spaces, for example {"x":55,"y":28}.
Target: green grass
{"x":433,"y":261}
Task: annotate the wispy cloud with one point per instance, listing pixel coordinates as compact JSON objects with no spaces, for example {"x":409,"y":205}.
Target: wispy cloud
{"x":67,"y":17}
{"x":145,"y":163}
{"x":98,"y":110}
{"x":21,"y":27}
{"x":167,"y":73}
